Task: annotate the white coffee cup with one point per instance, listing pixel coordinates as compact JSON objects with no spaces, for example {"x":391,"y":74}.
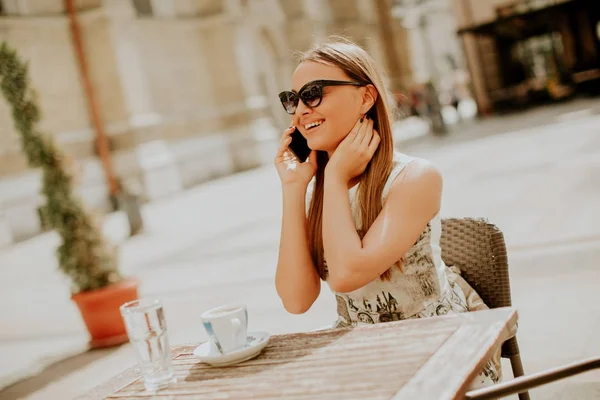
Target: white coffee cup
{"x":227,"y":327}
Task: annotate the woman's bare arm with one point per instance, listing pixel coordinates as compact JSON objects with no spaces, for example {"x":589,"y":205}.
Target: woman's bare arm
{"x":414,"y":198}
{"x":296,"y":279}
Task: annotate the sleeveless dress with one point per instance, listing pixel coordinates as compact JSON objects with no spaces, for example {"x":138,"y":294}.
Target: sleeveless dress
{"x":425,"y":287}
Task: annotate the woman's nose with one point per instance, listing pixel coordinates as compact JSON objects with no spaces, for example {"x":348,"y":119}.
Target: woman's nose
{"x":302,"y":109}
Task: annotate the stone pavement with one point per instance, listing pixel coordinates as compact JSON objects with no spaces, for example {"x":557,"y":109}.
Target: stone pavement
{"x":217,"y":243}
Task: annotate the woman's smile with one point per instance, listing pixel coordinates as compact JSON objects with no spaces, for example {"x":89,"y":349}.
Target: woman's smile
{"x":311,"y":128}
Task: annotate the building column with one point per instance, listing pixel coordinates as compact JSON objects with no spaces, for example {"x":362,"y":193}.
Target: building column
{"x":568,"y":41}
{"x":478,"y":83}
{"x":257,"y":144}
{"x":143,"y":158}
{"x":393,"y":37}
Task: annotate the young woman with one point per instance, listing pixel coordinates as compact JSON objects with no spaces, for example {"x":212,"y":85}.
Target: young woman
{"x":357,"y":214}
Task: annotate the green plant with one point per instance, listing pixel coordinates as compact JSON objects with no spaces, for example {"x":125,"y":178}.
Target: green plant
{"x":83,"y":255}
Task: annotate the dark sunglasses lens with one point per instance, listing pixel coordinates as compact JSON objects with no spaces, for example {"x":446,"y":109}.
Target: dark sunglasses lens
{"x":312,"y":95}
{"x":289,"y":100}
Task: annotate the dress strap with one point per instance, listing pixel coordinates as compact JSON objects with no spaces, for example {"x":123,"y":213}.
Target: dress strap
{"x":309,"y":194}
{"x":400,"y":162}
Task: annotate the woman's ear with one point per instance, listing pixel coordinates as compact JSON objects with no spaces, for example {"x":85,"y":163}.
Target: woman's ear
{"x":368,"y":99}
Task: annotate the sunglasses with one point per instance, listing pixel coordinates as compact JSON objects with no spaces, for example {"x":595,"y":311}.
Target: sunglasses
{"x":311,"y":94}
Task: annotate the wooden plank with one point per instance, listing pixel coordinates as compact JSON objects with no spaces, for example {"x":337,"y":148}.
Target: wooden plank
{"x":449,"y":372}
{"x":366,"y":362}
{"x":122,"y":380}
{"x":433,"y":358}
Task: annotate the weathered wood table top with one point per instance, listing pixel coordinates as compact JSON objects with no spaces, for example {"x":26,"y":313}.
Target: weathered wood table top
{"x":432,"y":358}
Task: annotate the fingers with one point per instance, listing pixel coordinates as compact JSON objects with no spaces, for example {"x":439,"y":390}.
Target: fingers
{"x":368,"y":134}
{"x":367,"y":139}
{"x":359,"y":129}
{"x":374,"y":143}
{"x":355,"y":130}
{"x":284,"y":144}
{"x":283,"y":148}
{"x":287,"y":133}
{"x":364,"y":134}
{"x":289,"y":157}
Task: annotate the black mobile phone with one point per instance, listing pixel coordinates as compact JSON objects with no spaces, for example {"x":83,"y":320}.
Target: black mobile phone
{"x":299,"y":146}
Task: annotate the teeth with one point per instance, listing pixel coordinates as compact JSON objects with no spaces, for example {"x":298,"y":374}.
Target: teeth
{"x":313,"y":124}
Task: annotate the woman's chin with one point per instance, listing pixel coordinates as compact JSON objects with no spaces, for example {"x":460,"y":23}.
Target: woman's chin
{"x":317,"y":145}
{"x":313,"y":145}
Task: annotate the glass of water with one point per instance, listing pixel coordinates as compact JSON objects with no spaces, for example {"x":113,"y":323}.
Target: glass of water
{"x":147,"y":331}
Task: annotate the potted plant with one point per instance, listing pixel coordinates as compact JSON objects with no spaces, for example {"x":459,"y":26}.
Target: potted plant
{"x":84,"y":256}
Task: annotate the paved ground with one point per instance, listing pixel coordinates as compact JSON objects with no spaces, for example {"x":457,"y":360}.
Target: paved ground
{"x":217,"y":243}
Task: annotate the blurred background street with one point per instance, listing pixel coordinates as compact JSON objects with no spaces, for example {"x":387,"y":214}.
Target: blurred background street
{"x":503,"y":100}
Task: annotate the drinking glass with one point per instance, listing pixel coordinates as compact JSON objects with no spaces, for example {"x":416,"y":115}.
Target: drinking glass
{"x":147,"y":331}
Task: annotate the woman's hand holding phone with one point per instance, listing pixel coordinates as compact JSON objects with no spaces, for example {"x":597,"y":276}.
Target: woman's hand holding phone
{"x":291,"y":171}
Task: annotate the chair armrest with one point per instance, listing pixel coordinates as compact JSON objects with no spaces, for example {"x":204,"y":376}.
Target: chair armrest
{"x":524,"y":383}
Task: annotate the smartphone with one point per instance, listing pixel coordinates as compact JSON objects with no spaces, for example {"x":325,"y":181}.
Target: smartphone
{"x":299,"y":146}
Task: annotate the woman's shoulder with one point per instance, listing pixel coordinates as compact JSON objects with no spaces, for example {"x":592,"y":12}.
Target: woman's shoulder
{"x":411,"y":170}
{"x":402,"y":160}
{"x":411,"y":165}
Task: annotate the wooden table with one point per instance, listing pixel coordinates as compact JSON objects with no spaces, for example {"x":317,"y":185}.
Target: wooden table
{"x":433,"y":358}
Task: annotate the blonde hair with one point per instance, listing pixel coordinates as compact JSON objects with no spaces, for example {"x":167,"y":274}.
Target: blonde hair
{"x":359,"y":66}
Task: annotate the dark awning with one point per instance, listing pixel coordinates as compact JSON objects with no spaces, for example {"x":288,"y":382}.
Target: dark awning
{"x":520,"y":20}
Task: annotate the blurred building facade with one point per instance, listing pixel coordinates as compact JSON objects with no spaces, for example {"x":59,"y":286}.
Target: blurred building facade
{"x":436,"y":52}
{"x":186,"y":89}
{"x":441,"y":92}
{"x":523,"y":52}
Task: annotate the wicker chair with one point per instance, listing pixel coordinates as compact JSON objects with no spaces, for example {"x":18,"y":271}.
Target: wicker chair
{"x":477,"y":247}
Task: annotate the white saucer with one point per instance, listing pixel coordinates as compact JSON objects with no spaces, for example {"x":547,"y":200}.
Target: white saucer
{"x":255,"y":343}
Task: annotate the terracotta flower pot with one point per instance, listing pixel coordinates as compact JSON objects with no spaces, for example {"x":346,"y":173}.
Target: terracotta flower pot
{"x":100,"y":312}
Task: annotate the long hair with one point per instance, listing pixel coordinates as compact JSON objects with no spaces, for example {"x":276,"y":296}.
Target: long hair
{"x":360,"y":67}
